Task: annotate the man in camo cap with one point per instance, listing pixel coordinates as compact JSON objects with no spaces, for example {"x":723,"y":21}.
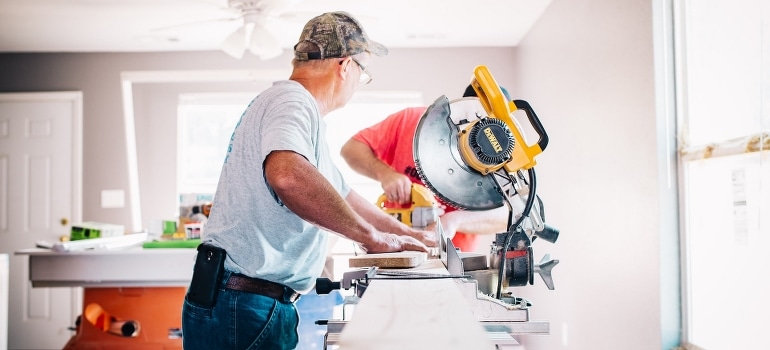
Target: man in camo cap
{"x":334,"y":35}
{"x":280,"y":194}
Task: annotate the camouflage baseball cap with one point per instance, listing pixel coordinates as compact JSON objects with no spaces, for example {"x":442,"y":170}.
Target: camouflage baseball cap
{"x":336,"y":34}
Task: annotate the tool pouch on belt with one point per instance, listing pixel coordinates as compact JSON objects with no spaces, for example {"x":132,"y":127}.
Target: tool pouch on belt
{"x":207,"y":275}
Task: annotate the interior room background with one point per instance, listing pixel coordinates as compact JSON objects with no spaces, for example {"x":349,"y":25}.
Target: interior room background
{"x":593,"y":70}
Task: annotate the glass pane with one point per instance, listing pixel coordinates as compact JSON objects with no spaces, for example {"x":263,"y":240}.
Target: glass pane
{"x":724,"y":70}
{"x":204,"y":133}
{"x":728,"y":234}
{"x":207,"y":122}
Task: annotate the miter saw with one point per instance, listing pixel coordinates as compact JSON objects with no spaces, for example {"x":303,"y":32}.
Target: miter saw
{"x":472,"y":154}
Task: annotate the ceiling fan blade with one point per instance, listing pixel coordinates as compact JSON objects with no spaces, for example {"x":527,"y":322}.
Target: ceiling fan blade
{"x":296,"y":16}
{"x":264,"y":44}
{"x":179,"y":26}
{"x":235,"y":44}
{"x":275,"y":6}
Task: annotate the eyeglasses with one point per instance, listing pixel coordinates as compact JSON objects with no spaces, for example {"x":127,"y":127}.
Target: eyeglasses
{"x":365,"y":77}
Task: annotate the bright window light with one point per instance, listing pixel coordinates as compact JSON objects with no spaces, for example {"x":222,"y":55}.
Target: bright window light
{"x":206,"y":122}
{"x":724,"y":51}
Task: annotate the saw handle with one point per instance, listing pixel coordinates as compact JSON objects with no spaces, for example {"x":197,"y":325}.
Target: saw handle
{"x":494,"y":102}
{"x":542,"y":142}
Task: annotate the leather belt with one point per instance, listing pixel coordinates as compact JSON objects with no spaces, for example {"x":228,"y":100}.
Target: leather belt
{"x":262,"y":287}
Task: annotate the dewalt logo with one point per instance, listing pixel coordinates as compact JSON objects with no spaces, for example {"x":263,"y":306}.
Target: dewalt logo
{"x":493,"y":140}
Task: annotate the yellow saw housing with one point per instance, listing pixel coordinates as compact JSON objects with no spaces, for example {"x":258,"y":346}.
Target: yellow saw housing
{"x":488,"y":145}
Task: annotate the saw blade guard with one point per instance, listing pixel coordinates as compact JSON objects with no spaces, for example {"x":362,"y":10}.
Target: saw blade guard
{"x":438,"y":159}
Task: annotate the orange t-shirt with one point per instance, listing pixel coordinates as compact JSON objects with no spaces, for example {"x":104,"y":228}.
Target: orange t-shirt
{"x":391,"y":140}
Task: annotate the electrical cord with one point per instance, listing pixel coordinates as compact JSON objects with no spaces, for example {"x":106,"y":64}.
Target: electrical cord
{"x":517,"y":226}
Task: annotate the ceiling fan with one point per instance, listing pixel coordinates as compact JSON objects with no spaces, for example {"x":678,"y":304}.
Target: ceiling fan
{"x":253,"y":34}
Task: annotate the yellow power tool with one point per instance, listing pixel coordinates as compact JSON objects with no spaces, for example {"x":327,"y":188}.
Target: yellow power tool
{"x":473,"y":155}
{"x":421,"y":212}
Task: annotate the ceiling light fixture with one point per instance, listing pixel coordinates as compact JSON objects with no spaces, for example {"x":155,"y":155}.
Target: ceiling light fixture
{"x":253,"y":35}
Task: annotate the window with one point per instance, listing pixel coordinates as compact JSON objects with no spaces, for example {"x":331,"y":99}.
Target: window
{"x":723,"y":60}
{"x":205,"y":125}
{"x":206,"y":122}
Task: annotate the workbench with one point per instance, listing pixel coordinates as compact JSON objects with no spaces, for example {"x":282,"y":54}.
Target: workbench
{"x":134,"y":267}
{"x":135,"y":284}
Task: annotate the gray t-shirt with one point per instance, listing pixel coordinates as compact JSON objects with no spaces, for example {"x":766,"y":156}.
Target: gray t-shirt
{"x":262,"y":237}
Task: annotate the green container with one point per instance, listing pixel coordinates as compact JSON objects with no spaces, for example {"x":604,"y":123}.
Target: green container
{"x":169,"y":226}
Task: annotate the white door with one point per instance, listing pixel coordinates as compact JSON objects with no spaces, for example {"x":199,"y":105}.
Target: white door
{"x":40,"y":195}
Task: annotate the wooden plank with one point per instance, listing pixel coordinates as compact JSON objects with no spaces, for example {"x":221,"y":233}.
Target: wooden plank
{"x":389,"y":260}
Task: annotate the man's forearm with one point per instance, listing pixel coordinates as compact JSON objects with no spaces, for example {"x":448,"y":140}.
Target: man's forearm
{"x":385,"y":222}
{"x":477,"y":222}
{"x":374,"y":215}
{"x":318,"y":202}
{"x":362,"y":160}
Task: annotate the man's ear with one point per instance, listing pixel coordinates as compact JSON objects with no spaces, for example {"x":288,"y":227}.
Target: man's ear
{"x":344,"y":67}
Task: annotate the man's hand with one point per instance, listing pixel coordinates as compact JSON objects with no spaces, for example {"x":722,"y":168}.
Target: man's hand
{"x":429,"y":237}
{"x":361,"y":158}
{"x":394,"y":243}
{"x":397,"y":187}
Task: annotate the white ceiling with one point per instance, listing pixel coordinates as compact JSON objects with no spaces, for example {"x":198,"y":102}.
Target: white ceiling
{"x":138,"y":25}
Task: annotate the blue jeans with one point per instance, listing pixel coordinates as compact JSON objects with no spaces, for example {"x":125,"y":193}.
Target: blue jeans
{"x":240,"y":320}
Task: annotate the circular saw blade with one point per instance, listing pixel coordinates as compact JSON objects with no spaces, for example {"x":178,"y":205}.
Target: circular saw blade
{"x":438,"y":158}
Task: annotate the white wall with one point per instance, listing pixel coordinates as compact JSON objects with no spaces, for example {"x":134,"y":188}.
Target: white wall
{"x":431,"y":71}
{"x":587,"y":68}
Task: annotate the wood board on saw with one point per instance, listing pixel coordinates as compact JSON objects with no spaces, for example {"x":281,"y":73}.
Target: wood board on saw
{"x":398,"y":260}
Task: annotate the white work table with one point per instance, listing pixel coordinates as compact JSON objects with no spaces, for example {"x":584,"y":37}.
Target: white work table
{"x":414,"y":314}
{"x":133,"y":267}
